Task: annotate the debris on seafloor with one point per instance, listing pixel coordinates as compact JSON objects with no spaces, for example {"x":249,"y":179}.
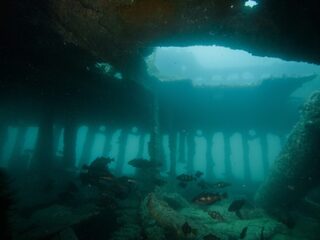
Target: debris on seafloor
{"x":216,"y":215}
{"x":235,"y":207}
{"x":170,"y":223}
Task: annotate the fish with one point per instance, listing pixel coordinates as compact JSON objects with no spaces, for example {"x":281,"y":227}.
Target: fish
{"x":209,"y":198}
{"x":235,"y":207}
{"x":210,"y":236}
{"x":187,"y":229}
{"x":243,"y":233}
{"x":221,"y":184}
{"x":198,"y":174}
{"x":216,"y":215}
{"x":143,"y":164}
{"x":186,"y":178}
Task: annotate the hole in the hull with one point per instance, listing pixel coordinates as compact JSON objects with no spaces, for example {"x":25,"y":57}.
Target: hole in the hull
{"x":215,"y":65}
{"x":250,"y":3}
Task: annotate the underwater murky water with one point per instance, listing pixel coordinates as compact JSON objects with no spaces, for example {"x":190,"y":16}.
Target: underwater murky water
{"x":108,"y":130}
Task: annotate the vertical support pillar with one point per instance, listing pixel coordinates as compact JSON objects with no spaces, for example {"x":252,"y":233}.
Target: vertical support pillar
{"x":264,"y":153}
{"x":69,"y":144}
{"x":227,"y":155}
{"x":123,"y":141}
{"x":209,"y":159}
{"x":190,"y":152}
{"x":155,"y":143}
{"x":173,"y":153}
{"x":3,"y":140}
{"x":57,"y":130}
{"x":43,"y":161}
{"x":17,"y":162}
{"x":87,"y":146}
{"x":182,"y":146}
{"x":246,"y":160}
{"x":141,"y":143}
{"x":107,"y":144}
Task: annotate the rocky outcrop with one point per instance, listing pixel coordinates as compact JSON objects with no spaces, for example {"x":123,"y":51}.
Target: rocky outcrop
{"x":296,"y":170}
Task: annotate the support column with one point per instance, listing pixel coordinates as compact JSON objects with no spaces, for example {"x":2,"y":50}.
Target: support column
{"x":155,"y":143}
{"x":57,"y":131}
{"x":173,"y":153}
{"x":87,"y":146}
{"x":209,"y":158}
{"x":107,"y":144}
{"x":69,"y":144}
{"x":264,"y":153}
{"x":17,"y":162}
{"x":3,"y":140}
{"x":142,"y":140}
{"x":296,"y":170}
{"x":246,"y":160}
{"x":43,"y":160}
{"x":123,"y":141}
{"x":190,"y":152}
{"x":182,"y":147}
{"x":227,"y":155}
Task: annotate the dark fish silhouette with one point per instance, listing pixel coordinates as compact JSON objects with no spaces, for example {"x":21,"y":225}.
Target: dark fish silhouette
{"x":187,"y":229}
{"x":198,"y":174}
{"x":216,"y":215}
{"x":235,"y":207}
{"x":143,"y":163}
{"x":186,"y":178}
{"x":243,"y":233}
{"x":209,"y":198}
{"x":211,"y":237}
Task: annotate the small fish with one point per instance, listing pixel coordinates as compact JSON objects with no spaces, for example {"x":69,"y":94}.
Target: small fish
{"x":106,"y":178}
{"x":221,"y":185}
{"x":211,"y":237}
{"x":216,"y":215}
{"x":243,"y":233}
{"x":209,"y":198}
{"x":235,"y":207}
{"x":198,"y":174}
{"x":143,"y":164}
{"x":186,"y":178}
{"x":187,"y":229}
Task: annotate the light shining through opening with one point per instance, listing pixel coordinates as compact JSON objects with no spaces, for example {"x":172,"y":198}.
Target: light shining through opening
{"x":250,"y":3}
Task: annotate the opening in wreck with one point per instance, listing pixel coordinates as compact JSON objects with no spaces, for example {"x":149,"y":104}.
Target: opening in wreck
{"x":109,"y":130}
{"x":245,"y":155}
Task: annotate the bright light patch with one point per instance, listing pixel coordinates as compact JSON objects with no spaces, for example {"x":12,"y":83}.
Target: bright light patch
{"x":250,"y":3}
{"x":215,"y":65}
